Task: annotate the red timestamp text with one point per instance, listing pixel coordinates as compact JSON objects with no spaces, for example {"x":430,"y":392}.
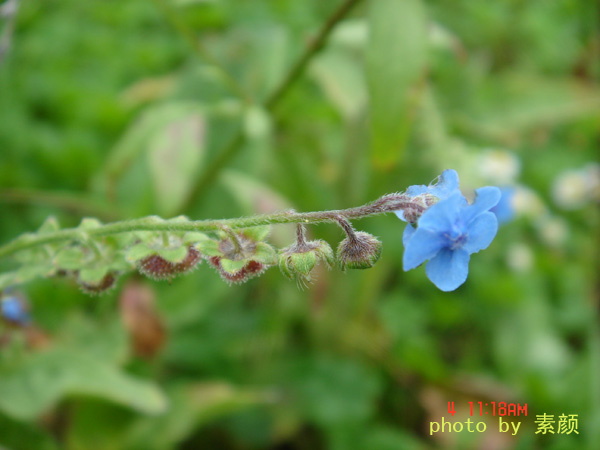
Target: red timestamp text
{"x":497,"y":409}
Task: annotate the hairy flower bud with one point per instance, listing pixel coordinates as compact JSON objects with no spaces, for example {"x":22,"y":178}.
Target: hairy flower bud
{"x":162,"y":266}
{"x":97,"y":286}
{"x":240,"y":255}
{"x":298,"y":260}
{"x":358,"y":251}
{"x":237,"y":273}
{"x":419,"y":205}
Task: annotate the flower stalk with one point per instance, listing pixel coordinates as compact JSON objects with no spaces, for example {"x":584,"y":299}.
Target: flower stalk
{"x":443,"y":229}
{"x":387,"y":203}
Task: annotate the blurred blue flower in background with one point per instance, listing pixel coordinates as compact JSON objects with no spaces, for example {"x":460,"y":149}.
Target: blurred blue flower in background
{"x":14,"y":310}
{"x":448,"y":233}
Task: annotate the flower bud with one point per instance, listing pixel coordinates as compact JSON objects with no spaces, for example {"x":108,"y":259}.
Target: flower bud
{"x":358,"y":251}
{"x":163,"y":266}
{"x":240,"y":256}
{"x":97,"y":286}
{"x":418,"y":206}
{"x":298,"y":260}
{"x":237,"y":272}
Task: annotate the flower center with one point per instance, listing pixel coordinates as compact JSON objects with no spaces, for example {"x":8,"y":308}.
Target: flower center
{"x":456,"y":238}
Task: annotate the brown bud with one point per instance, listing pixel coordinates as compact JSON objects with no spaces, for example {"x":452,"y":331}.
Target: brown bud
{"x":107,"y":282}
{"x":237,"y":273}
{"x":157,"y":267}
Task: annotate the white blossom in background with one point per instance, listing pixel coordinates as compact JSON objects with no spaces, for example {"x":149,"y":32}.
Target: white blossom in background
{"x":575,"y":188}
{"x":553,"y":230}
{"x":519,"y":257}
{"x":500,"y":167}
{"x":528,"y":203}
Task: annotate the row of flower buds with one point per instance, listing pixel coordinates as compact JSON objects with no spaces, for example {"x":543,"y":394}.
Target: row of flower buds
{"x":358,"y":250}
{"x":236,"y":255}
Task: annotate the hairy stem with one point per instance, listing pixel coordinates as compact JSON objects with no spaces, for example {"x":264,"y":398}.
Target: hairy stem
{"x":347,"y":227}
{"x":385,"y":204}
{"x":300,"y":236}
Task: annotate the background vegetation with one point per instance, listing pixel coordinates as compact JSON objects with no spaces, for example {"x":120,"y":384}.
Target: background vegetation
{"x":120,"y":109}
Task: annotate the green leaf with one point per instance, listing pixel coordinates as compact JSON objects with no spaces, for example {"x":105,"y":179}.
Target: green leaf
{"x":7,"y":279}
{"x":30,"y":272}
{"x":331,"y":390}
{"x":253,"y":195}
{"x":304,"y":262}
{"x":143,"y":129}
{"x":257,"y":234}
{"x":49,"y":226}
{"x":175,"y":155}
{"x":396,"y":54}
{"x":89,"y":223}
{"x":138,"y":251}
{"x":70,"y":258}
{"x":342,"y":80}
{"x":192,"y":406}
{"x":257,"y":123}
{"x":194,"y":236}
{"x":209,"y":247}
{"x":174,"y":255}
{"x":93,"y":275}
{"x":119,"y":265}
{"x":231,"y":266}
{"x":265,"y":254}
{"x":42,"y":379}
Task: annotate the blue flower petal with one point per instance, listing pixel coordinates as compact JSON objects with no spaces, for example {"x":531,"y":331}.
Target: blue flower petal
{"x":449,"y":269}
{"x":443,"y":215}
{"x":408,"y":233}
{"x":417,"y":189}
{"x":446,"y":184}
{"x":504,"y":210}
{"x":486,"y":198}
{"x":423,"y":245}
{"x":482,"y":231}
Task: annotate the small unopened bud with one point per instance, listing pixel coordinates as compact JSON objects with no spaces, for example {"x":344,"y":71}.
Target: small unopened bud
{"x":358,"y":251}
{"x":298,"y":260}
{"x":418,"y":205}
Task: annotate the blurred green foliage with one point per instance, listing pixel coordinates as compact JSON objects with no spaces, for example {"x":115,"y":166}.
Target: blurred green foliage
{"x":111,"y":109}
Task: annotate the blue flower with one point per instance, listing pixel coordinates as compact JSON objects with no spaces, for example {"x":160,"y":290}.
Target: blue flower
{"x":504,"y":210}
{"x":448,"y":233}
{"x":13,"y":310}
{"x":442,"y":187}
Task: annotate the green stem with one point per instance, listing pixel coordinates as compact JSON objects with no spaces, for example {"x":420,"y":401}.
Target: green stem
{"x":385,"y":204}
